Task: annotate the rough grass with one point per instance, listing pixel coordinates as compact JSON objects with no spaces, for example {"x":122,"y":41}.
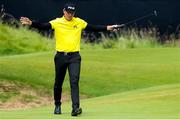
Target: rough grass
{"x":21,"y":40}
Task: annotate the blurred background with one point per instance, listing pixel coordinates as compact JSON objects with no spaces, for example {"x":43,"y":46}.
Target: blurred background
{"x":101,"y":11}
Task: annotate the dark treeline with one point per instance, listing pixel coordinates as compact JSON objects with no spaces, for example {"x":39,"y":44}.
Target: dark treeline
{"x":101,"y":11}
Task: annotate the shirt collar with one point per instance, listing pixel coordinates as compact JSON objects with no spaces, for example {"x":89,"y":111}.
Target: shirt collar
{"x":67,"y":20}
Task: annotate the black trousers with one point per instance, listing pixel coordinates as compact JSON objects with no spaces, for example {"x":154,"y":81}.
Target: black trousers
{"x":72,"y":62}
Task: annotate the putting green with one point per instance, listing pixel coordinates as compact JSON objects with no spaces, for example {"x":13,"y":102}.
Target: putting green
{"x":159,"y":102}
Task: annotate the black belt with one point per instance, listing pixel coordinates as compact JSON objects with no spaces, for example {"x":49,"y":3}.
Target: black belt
{"x":67,"y":53}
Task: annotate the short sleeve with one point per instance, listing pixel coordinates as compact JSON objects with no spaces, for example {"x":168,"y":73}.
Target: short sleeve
{"x":83,"y":23}
{"x":53,"y":23}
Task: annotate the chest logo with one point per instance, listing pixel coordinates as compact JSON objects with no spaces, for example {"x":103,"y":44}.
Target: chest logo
{"x":75,"y":26}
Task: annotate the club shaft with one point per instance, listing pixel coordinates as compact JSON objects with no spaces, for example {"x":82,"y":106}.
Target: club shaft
{"x":140,"y":18}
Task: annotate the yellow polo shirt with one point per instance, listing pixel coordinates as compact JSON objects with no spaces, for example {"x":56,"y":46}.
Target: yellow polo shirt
{"x":68,"y":33}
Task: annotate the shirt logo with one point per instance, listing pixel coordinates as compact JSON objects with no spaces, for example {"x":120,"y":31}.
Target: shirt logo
{"x":71,"y":8}
{"x":75,"y":26}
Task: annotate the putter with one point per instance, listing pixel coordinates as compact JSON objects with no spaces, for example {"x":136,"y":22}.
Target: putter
{"x":135,"y":20}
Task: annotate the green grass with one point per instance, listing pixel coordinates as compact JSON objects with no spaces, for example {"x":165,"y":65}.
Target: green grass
{"x":153,"y":103}
{"x":125,"y":83}
{"x":140,"y":83}
{"x":103,"y":71}
{"x":21,"y":40}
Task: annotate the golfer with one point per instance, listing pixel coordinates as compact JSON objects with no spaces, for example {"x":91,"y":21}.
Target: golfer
{"x":68,"y":31}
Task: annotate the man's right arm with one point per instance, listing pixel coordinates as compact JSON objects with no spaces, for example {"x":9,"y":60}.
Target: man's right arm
{"x":42,"y":26}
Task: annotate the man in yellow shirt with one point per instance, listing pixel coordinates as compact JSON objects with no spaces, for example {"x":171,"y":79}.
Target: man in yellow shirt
{"x":68,"y":31}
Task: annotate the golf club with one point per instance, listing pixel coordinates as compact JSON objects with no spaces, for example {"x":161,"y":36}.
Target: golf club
{"x":135,"y":20}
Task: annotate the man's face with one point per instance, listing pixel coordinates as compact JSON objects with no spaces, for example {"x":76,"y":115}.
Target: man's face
{"x":68,"y":15}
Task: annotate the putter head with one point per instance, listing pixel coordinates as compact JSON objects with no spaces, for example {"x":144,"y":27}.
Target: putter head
{"x":155,"y":12}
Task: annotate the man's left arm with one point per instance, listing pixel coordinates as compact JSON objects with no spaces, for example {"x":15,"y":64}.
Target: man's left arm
{"x":99,"y":28}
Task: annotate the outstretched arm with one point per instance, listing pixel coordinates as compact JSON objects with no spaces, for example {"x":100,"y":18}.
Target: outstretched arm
{"x":27,"y":21}
{"x":98,"y":28}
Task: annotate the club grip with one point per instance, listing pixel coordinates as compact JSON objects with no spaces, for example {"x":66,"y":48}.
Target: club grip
{"x":118,"y":26}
